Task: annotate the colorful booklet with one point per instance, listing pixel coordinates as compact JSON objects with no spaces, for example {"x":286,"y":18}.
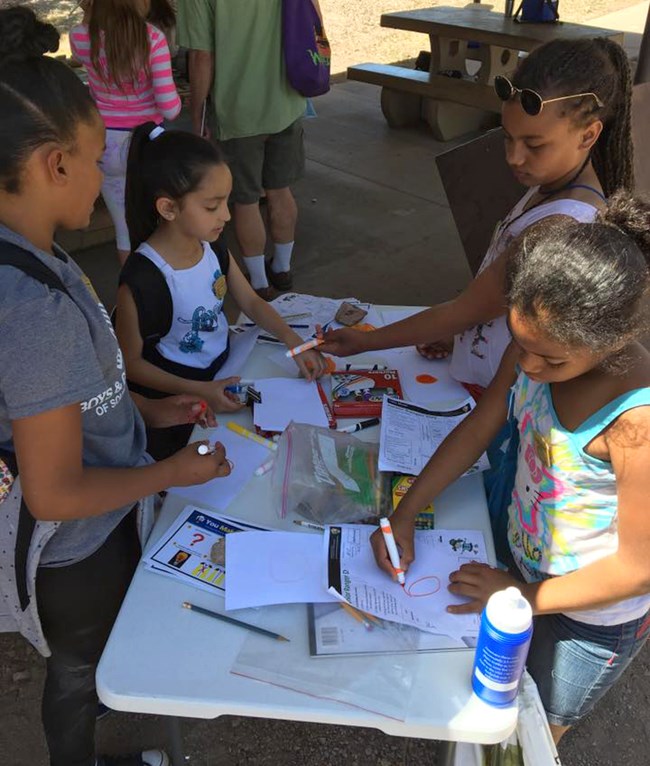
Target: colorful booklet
{"x":360,"y":393}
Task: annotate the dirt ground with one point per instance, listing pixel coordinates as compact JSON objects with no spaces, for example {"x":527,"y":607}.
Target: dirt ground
{"x":618,"y":732}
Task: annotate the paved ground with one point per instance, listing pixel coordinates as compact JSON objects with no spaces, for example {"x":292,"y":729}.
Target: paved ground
{"x":374,"y":223}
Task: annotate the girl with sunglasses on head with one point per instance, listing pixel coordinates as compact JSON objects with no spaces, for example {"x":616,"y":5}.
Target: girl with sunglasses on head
{"x":566,"y":122}
{"x":567,"y":128}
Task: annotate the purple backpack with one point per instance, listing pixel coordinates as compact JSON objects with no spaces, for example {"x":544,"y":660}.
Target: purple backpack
{"x":306,"y":48}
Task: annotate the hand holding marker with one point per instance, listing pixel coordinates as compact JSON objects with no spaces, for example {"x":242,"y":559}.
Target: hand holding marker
{"x":391,"y":547}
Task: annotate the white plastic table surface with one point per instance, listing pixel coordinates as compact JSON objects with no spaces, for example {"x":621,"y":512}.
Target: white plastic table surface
{"x":163,"y":659}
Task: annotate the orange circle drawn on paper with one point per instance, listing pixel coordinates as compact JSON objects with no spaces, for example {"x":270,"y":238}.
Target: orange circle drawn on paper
{"x":425,"y":378}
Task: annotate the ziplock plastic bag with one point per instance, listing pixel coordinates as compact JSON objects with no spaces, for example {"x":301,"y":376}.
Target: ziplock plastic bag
{"x":381,"y":684}
{"x":329,"y":477}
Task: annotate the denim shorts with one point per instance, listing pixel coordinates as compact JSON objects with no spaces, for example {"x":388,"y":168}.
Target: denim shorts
{"x":574,"y":664}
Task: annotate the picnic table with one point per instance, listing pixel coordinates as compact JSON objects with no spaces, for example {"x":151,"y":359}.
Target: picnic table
{"x":462,"y":99}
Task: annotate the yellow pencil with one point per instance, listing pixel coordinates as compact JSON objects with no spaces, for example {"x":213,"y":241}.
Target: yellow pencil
{"x":358,"y":616}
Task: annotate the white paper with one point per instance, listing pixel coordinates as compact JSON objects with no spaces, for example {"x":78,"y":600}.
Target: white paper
{"x":409,"y":364}
{"x":284,"y":400}
{"x":354,"y":576}
{"x":242,"y":343}
{"x":185,"y":551}
{"x":245,"y":455}
{"x":274,"y":568}
{"x":411,"y":433}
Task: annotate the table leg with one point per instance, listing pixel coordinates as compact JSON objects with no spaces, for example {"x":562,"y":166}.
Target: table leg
{"x":175,"y":741}
{"x":446,"y":754}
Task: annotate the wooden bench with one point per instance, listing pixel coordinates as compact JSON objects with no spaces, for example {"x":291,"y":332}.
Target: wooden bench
{"x":453,"y":106}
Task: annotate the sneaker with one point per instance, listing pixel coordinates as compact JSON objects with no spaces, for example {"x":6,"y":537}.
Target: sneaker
{"x":281,"y":280}
{"x":145,"y":758}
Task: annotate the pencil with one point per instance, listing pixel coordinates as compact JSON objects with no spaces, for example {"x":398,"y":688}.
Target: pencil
{"x":356,"y":615}
{"x":233,"y":621}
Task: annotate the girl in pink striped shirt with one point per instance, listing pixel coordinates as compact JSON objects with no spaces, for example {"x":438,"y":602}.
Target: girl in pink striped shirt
{"x":130,"y":78}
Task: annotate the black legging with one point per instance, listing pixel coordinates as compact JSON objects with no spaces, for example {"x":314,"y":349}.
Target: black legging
{"x":77,"y":606}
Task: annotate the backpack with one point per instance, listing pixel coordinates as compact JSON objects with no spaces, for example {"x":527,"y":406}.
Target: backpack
{"x":19,"y":258}
{"x":306,"y":48}
{"x":153,"y":303}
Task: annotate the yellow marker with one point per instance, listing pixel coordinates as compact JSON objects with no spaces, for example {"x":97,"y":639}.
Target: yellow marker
{"x":304,"y":347}
{"x":250,"y":435}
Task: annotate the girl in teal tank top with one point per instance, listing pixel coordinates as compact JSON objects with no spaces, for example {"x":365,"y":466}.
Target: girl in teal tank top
{"x":575,"y":387}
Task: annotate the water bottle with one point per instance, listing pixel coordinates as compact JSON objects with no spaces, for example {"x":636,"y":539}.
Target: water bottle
{"x":503,"y":642}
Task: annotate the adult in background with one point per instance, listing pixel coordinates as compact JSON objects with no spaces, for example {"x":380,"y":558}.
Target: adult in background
{"x":236,"y":59}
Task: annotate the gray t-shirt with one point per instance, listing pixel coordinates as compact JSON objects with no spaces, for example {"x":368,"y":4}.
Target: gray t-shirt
{"x":54,"y":352}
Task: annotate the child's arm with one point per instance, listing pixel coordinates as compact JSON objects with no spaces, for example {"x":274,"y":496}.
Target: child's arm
{"x":311,"y":363}
{"x":127,"y":328}
{"x":481,"y":301}
{"x":458,"y":452}
{"x":165,"y":94}
{"x":621,"y":575}
{"x":58,"y":487}
{"x":174,"y":411}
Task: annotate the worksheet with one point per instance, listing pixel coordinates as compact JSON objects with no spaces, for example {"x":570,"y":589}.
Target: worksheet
{"x":411,"y":433}
{"x":353,"y":576}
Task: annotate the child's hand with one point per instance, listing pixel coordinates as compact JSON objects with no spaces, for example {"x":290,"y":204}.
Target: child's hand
{"x":312,"y":364}
{"x":477,"y":582}
{"x":178,"y":410}
{"x":344,"y":342}
{"x":221,"y":400}
{"x":439,"y":349}
{"x":191,"y":468}
{"x":403,"y":531}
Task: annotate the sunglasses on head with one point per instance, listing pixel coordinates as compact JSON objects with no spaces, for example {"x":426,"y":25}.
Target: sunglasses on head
{"x":531,"y":102}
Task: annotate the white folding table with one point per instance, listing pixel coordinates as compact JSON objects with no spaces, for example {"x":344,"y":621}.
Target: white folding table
{"x":160,"y":660}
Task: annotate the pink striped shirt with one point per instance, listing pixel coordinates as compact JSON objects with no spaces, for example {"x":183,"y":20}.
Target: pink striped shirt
{"x":151,"y":97}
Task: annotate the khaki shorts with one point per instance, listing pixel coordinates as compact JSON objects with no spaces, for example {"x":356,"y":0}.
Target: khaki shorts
{"x":274,"y":161}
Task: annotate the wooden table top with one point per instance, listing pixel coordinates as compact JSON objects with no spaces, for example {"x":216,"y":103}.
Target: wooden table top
{"x":485,"y":26}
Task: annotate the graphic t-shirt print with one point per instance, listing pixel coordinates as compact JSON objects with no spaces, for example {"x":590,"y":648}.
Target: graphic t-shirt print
{"x":204,"y":320}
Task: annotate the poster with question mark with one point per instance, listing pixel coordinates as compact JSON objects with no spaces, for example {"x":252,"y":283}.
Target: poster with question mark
{"x":193,"y":548}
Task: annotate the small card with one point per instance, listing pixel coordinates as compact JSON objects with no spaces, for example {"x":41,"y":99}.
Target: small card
{"x":348,"y":314}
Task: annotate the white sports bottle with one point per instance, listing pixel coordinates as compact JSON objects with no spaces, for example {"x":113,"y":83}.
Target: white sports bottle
{"x":503,"y":642}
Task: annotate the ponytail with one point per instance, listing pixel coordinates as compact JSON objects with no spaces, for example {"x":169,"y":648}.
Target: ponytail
{"x":41,"y":99}
{"x":587,"y":284}
{"x":599,"y":66}
{"x":162,"y":163}
{"x":613,"y":156}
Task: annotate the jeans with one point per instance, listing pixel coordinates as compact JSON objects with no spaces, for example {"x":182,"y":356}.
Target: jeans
{"x":574,"y":664}
{"x":77,"y":605}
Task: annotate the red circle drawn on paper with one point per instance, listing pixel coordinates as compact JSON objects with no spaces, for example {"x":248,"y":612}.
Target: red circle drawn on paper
{"x":428,"y":585}
{"x":425,"y":378}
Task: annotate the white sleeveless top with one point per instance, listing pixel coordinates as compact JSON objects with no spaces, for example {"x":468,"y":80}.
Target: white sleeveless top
{"x":477,"y":352}
{"x":199,"y":329}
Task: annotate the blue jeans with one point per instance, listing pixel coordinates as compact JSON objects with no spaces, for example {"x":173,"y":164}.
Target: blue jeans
{"x":574,"y":664}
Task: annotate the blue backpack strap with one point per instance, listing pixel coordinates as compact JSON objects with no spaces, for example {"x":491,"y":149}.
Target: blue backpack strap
{"x":588,"y":188}
{"x":589,"y":430}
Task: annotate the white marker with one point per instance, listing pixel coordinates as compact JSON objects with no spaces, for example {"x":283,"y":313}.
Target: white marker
{"x":359,"y":426}
{"x":265,"y":467}
{"x":309,"y":525}
{"x":203,"y":449}
{"x":304,"y":347}
{"x":391,"y":547}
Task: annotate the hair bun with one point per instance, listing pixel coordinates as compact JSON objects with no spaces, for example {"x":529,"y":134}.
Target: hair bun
{"x":631,"y":215}
{"x":23,"y":36}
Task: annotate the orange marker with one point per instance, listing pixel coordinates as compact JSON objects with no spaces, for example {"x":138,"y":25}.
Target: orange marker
{"x":391,"y":547}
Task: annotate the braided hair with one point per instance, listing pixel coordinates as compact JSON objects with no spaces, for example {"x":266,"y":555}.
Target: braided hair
{"x":600,"y":66}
